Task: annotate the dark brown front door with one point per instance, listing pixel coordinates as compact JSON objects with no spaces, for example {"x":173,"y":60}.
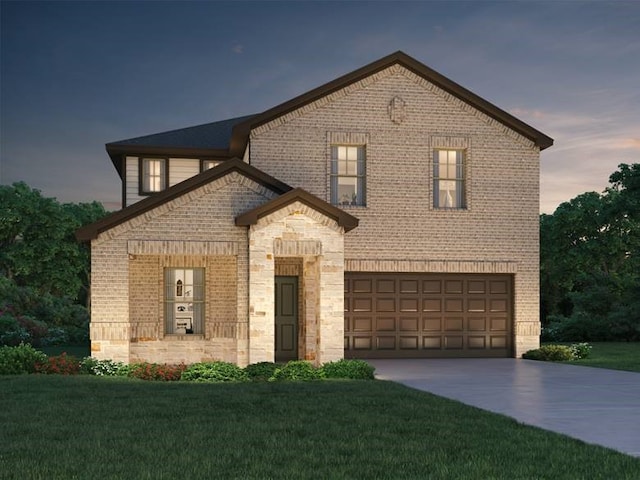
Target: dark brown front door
{"x":286,"y":327}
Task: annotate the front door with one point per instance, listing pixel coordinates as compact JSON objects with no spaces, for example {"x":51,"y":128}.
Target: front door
{"x":286,"y":318}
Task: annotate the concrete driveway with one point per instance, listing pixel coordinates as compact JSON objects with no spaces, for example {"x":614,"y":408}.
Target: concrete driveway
{"x":595,"y":405}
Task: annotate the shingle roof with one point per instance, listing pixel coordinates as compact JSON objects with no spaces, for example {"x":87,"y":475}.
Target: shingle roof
{"x":213,"y":135}
{"x":201,"y":141}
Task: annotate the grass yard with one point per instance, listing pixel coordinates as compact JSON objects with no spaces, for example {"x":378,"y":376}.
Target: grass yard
{"x":85,"y":427}
{"x":615,"y":355}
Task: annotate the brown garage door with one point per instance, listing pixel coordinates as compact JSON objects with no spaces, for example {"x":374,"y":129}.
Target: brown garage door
{"x":427,"y":315}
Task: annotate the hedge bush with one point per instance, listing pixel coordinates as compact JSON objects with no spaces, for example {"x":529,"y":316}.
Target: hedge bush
{"x":214,"y":372}
{"x":20,"y":359}
{"x":551,"y":353}
{"x":62,"y":364}
{"x":297,"y":370}
{"x":261,"y":371}
{"x":351,"y":369}
{"x":155,"y":371}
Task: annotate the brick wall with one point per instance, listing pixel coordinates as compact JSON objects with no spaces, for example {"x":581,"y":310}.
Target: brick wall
{"x":196,"y":230}
{"x":399,"y":225}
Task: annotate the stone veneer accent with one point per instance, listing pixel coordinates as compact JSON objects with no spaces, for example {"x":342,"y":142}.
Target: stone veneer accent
{"x":399,"y":229}
{"x":322,"y":313}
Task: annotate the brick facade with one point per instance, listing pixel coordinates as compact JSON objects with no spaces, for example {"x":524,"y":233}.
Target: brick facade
{"x":401,"y":118}
{"x":399,"y":230}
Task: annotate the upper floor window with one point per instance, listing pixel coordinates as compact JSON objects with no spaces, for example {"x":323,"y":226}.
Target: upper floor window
{"x":184,"y":300}
{"x":348,"y":175}
{"x":154,"y":175}
{"x":449,"y":179}
{"x":209,"y":164}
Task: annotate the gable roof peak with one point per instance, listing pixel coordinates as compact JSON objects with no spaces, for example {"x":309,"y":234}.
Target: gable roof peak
{"x":240,"y":135}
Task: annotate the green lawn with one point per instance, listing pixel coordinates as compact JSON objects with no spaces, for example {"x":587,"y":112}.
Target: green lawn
{"x":84,"y":427}
{"x":614,"y":355}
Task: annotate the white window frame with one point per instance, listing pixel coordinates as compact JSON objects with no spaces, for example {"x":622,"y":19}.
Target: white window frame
{"x":348,"y":169}
{"x":449,"y":179}
{"x":184,"y":300}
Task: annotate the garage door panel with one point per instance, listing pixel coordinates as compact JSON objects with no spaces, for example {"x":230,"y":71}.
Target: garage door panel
{"x":385,"y":305}
{"x":385,"y":286}
{"x":428,"y":315}
{"x":497,"y":287}
{"x":432,"y":343}
{"x":362,"y":343}
{"x":409,"y":324}
{"x":363,"y":324}
{"x":453,"y":324}
{"x":409,"y":304}
{"x":385,"y":324}
{"x":477,"y":287}
{"x":498,"y":305}
{"x":453,"y":342}
{"x":498,"y":342}
{"x":363,"y":286}
{"x":498,"y":324}
{"x":386,"y":342}
{"x":409,"y":286}
{"x":432,"y":305}
{"x":453,"y":305}
{"x":477,"y":324}
{"x":362,"y":304}
{"x":476,"y":305}
{"x":432,"y":324}
{"x":453,"y":286}
{"x":409,"y":343}
{"x":477,"y":342}
{"x":432,"y":286}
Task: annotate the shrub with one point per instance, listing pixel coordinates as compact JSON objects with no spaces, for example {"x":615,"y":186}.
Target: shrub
{"x":297,"y":370}
{"x":260,"y":371}
{"x":580,"y":350}
{"x":551,"y":353}
{"x":20,"y":359}
{"x":353,"y":369}
{"x":62,"y":364}
{"x":215,"y":372}
{"x":155,"y":371}
{"x":11,"y":332}
{"x":103,"y":368}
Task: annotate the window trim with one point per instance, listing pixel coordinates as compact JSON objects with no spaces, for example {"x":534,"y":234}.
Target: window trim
{"x":361,"y":177}
{"x":460,"y":180}
{"x":141,"y":189}
{"x":197,"y":325}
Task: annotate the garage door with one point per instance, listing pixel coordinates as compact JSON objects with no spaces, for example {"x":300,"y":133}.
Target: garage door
{"x":427,"y":315}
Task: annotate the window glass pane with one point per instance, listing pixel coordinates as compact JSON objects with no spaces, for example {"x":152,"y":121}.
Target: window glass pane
{"x":342,"y":167}
{"x":347,"y":191}
{"x":342,"y":152}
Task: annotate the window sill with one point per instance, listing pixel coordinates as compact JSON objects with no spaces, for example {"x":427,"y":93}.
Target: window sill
{"x":184,"y":336}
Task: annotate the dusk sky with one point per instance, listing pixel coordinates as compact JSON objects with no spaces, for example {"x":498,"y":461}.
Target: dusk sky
{"x":77,"y":75}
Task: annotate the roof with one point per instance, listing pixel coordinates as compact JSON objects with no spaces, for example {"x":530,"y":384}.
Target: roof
{"x":348,"y":222}
{"x":242,"y":129}
{"x":90,"y":232}
{"x":229,"y":138}
{"x":209,"y":139}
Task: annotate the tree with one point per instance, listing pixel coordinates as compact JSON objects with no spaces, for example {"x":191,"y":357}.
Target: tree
{"x":590,"y":250}
{"x":37,"y":244}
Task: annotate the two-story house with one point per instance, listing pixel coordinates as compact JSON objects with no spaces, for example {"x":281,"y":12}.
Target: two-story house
{"x":388,"y":213}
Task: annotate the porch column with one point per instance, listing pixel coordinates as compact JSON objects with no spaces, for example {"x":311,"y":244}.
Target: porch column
{"x":261,"y":297}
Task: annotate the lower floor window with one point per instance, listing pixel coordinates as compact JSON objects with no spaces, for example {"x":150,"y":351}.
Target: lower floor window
{"x":184,"y":300}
